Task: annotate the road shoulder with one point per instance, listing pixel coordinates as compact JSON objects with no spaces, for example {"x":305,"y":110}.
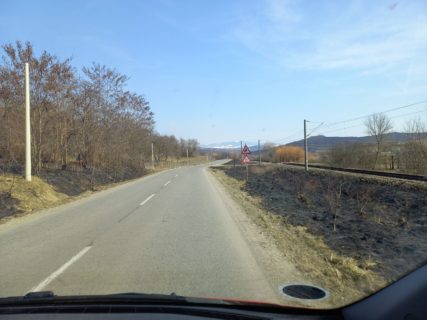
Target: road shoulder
{"x":277,"y":268}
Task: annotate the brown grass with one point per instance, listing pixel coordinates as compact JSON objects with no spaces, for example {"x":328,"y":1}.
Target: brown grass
{"x":18,"y":196}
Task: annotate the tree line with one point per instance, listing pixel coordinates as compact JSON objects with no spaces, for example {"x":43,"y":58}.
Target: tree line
{"x":81,"y":118}
{"x":409,"y":155}
{"x":406,"y":156}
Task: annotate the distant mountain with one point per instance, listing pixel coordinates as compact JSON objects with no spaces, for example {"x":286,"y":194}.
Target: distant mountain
{"x":228,"y":145}
{"x":315,"y":143}
{"x":321,"y":143}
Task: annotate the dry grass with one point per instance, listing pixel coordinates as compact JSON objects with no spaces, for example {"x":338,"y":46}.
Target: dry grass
{"x":17,"y":196}
{"x":345,"y":278}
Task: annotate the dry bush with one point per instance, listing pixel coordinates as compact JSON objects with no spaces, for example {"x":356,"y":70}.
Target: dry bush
{"x":289,"y":154}
{"x":354,"y":155}
{"x":363,"y":197}
{"x":333,"y":197}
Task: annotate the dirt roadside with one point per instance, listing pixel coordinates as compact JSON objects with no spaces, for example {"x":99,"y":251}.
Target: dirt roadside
{"x":299,"y":213}
{"x":277,"y":269}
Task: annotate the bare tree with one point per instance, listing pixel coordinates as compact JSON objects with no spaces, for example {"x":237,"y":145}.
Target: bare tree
{"x":191,"y":145}
{"x":352,"y":155}
{"x":268,"y":152}
{"x":333,"y":198}
{"x":414,"y":151}
{"x":378,"y":125}
{"x":416,"y":129}
{"x":87,"y":119}
{"x":52,"y":81}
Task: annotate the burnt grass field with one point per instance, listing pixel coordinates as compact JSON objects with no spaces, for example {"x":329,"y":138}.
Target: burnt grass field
{"x":358,"y":216}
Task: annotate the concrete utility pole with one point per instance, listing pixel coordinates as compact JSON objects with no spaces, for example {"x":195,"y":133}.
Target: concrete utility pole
{"x":305,"y":146}
{"x":259,"y":151}
{"x":152,"y":154}
{"x":187,"y":158}
{"x":27,"y":125}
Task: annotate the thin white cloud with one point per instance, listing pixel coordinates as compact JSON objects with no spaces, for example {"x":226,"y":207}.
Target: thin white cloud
{"x":281,"y":12}
{"x":362,"y":49}
{"x":368,"y":40}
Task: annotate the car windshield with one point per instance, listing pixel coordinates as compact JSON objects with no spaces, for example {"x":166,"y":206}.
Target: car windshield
{"x":268,"y":150}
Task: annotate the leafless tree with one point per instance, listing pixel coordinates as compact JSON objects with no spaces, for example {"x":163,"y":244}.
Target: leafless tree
{"x":353,"y":155}
{"x":88,"y":119}
{"x":191,"y":145}
{"x":414,"y":151}
{"x":378,"y":125}
{"x":52,"y":81}
{"x":333,"y":198}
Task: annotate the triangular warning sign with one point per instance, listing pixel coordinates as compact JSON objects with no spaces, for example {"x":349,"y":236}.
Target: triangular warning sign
{"x":246,"y":150}
{"x":246,"y":159}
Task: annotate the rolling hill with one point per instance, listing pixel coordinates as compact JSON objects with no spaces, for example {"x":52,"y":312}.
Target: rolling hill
{"x":322,"y":143}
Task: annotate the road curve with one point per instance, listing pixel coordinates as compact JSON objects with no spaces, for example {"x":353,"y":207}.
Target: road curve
{"x":169,"y":232}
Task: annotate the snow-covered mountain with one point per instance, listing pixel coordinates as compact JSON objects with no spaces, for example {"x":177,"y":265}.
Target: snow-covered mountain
{"x":228,"y":145}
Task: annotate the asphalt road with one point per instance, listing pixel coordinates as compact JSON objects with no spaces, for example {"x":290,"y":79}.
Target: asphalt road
{"x":169,"y":232}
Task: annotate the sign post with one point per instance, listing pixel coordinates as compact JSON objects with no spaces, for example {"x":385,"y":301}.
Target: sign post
{"x":246,"y":160}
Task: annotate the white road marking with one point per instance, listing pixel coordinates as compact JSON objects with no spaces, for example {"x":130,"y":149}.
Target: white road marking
{"x":146,"y":200}
{"x":64,"y":267}
{"x":176,"y":176}
{"x":167,"y":183}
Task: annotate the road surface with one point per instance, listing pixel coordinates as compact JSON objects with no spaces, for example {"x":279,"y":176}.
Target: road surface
{"x":169,"y":232}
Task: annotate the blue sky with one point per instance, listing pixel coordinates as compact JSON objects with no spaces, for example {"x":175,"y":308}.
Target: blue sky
{"x":230,"y":70}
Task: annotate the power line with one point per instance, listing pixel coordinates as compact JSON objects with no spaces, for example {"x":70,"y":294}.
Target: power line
{"x":344,"y":128}
{"x":298,"y":131}
{"x":320,"y":125}
{"x":361,"y":124}
{"x":408,"y":114}
{"x":326,"y":125}
{"x":385,"y":111}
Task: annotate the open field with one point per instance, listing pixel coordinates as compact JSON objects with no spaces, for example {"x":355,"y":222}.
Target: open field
{"x":350,"y":234}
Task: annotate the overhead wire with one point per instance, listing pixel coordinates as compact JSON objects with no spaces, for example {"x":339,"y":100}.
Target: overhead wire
{"x":325,"y":125}
{"x":380,"y":112}
{"x":316,"y":128}
{"x":294,"y":133}
{"x":361,"y":124}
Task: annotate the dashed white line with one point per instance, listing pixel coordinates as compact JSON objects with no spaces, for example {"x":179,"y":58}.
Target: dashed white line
{"x":176,"y":176}
{"x":146,"y":200}
{"x":167,"y":183}
{"x":64,"y":267}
